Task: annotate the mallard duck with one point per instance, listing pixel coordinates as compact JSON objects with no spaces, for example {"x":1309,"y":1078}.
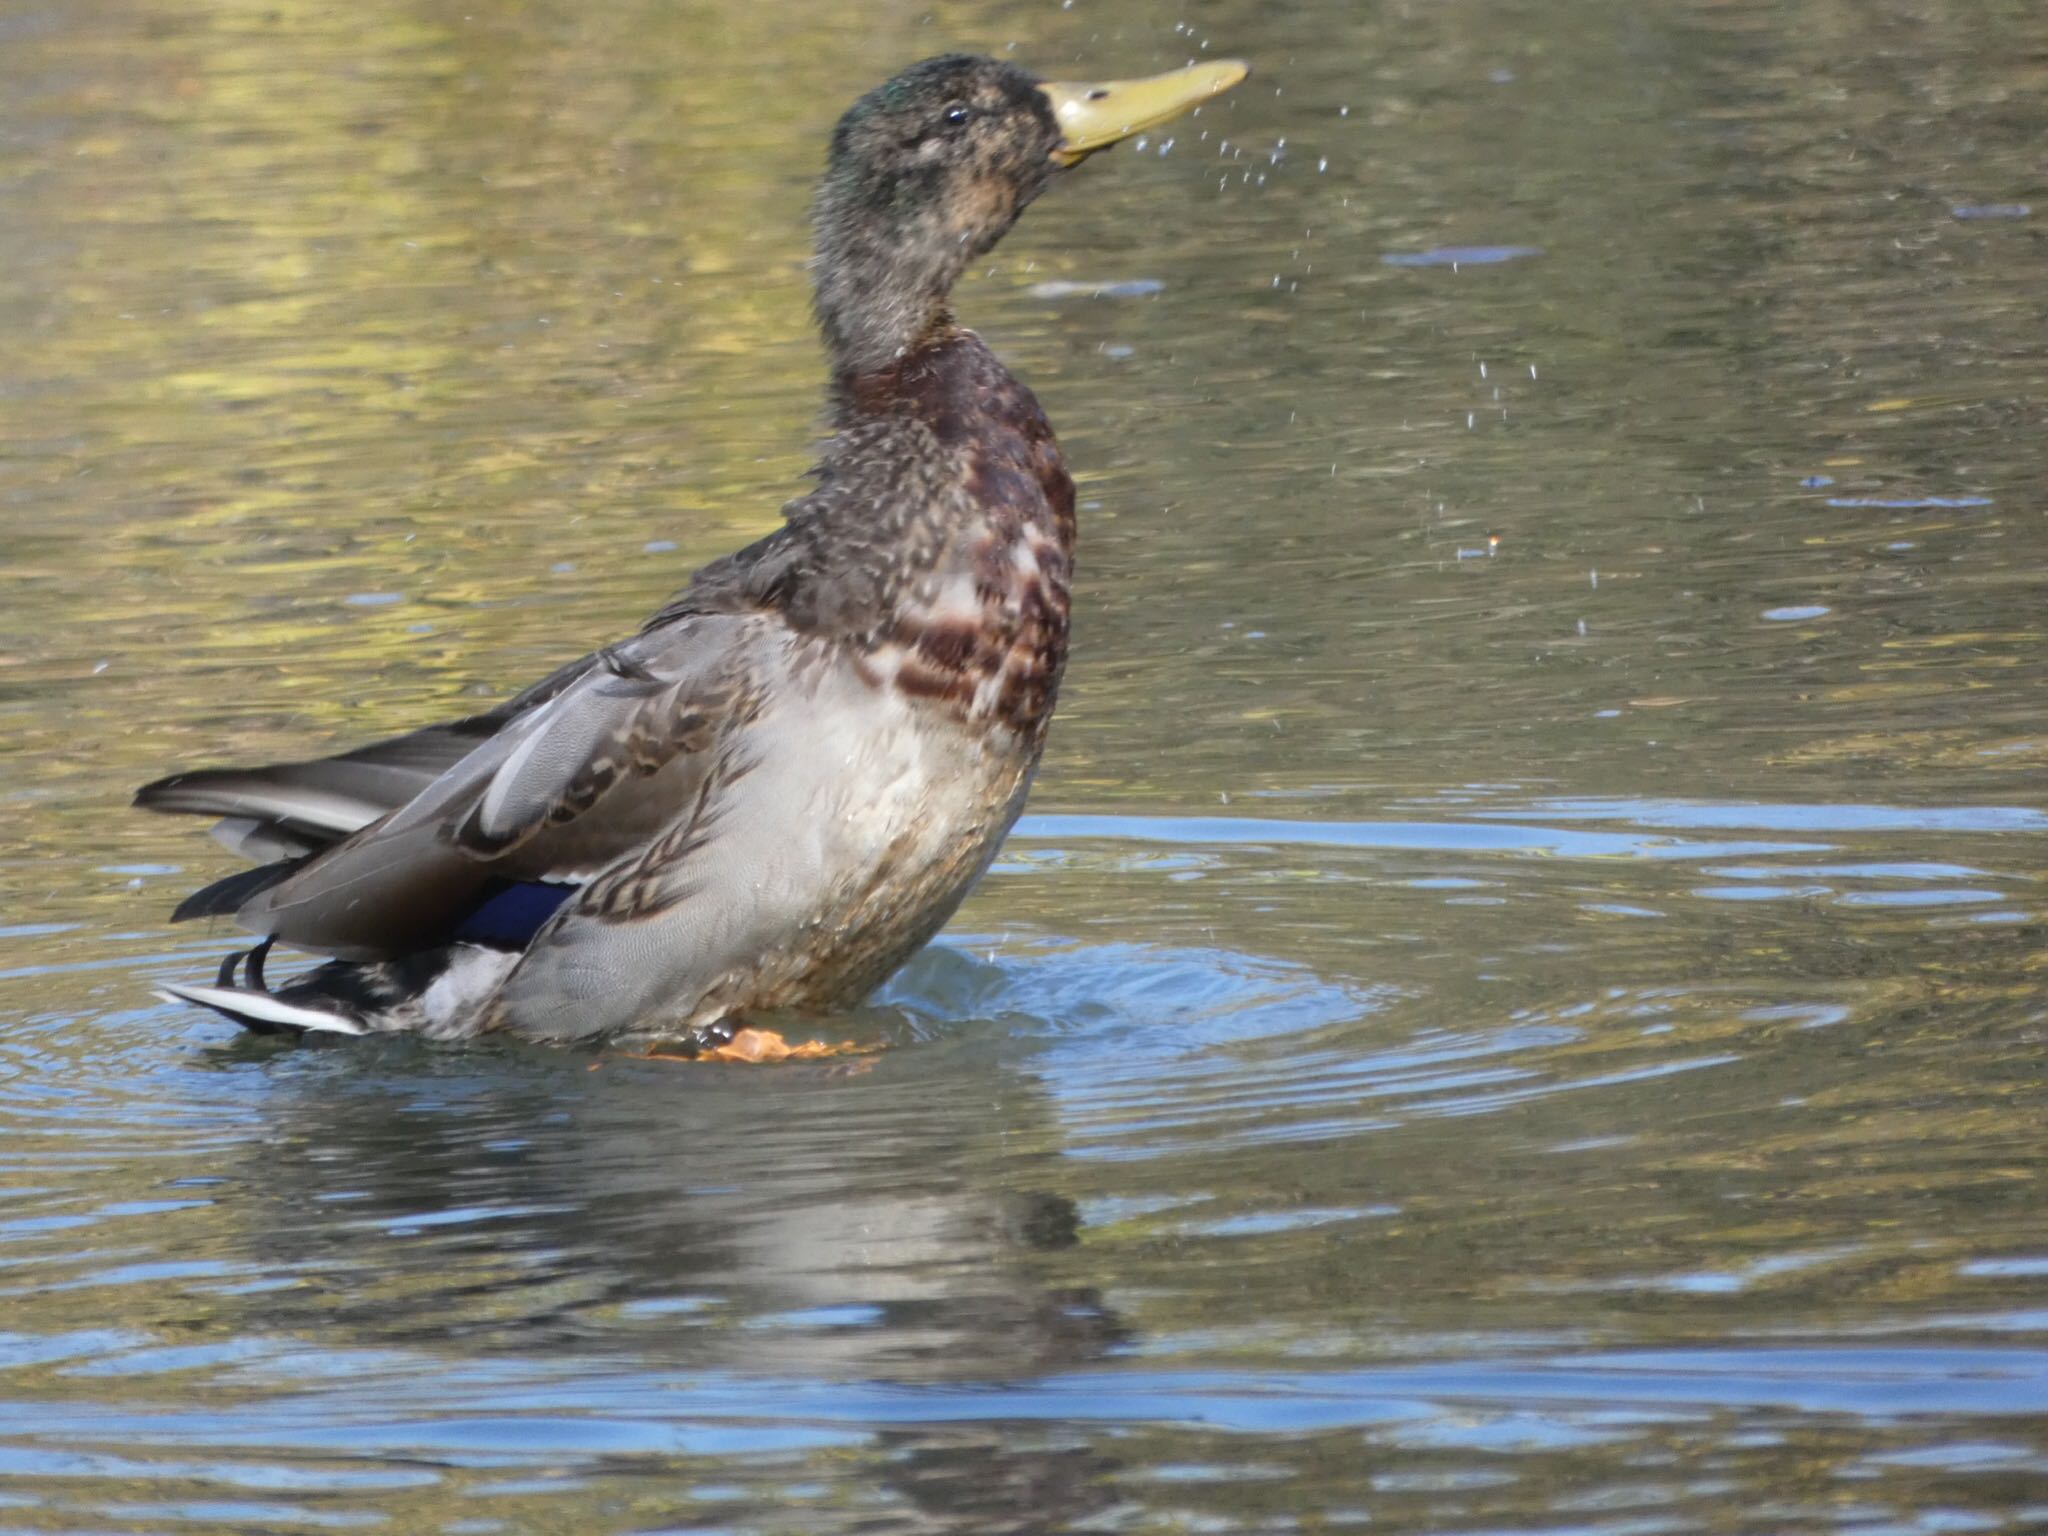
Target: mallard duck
{"x":785,"y":783}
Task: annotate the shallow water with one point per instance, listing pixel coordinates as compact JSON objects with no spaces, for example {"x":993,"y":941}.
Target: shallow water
{"x":1535,"y":1035}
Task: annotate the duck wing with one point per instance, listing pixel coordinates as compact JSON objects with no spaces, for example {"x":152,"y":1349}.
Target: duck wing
{"x":280,"y":810}
{"x":399,"y":842}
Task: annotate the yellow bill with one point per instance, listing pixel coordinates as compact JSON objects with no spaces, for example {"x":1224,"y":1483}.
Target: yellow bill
{"x":1096,"y":114}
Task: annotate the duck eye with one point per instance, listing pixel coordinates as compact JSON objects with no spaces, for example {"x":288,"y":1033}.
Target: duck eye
{"x":955,"y":116}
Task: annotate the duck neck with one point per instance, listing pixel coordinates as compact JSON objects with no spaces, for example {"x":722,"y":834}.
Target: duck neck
{"x":914,"y":378}
{"x":882,"y":278}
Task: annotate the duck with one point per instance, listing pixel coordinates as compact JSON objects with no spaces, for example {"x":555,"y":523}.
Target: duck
{"x":785,"y":782}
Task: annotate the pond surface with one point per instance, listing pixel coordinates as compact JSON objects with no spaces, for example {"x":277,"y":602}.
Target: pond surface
{"x":1519,"y":1006}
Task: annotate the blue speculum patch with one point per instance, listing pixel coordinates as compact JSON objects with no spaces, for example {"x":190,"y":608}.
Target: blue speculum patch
{"x":512,"y":914}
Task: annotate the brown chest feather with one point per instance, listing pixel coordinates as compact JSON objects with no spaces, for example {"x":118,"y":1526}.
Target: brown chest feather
{"x":982,"y":628}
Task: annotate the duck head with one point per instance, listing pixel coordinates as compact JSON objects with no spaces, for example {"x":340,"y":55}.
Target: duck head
{"x":928,"y":171}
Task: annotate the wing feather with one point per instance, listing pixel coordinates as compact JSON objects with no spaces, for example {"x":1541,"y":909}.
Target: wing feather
{"x":326,"y":798}
{"x":579,"y":778}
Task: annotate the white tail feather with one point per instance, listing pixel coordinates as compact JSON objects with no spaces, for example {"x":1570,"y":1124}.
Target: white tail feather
{"x":241,"y":1004}
{"x":312,"y":805}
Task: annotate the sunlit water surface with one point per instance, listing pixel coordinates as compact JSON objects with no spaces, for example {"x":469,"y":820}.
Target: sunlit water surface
{"x":1542,"y":1035}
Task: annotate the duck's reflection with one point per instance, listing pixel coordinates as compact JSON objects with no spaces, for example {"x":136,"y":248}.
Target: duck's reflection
{"x":889,"y":1221}
{"x":711,"y":1241}
{"x":897,"y":1217}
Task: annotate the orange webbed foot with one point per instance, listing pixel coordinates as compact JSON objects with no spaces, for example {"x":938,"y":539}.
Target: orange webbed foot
{"x":753,"y":1046}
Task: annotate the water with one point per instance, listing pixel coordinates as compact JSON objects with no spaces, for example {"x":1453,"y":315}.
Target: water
{"x":1518,"y":1006}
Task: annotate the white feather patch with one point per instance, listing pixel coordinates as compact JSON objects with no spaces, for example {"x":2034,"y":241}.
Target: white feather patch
{"x":472,"y":975}
{"x":238,"y":1003}
{"x":955,"y":602}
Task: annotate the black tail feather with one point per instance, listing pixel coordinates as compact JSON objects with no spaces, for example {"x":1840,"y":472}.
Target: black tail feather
{"x":252,"y":964}
{"x":224,"y":897}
